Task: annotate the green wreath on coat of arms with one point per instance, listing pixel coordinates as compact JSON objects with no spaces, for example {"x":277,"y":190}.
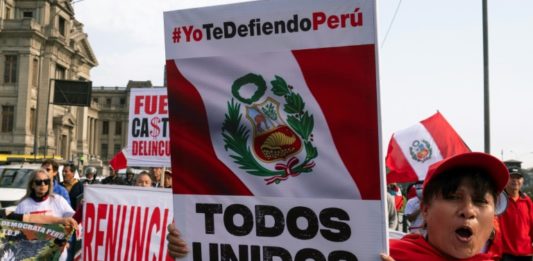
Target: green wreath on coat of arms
{"x":273,"y":141}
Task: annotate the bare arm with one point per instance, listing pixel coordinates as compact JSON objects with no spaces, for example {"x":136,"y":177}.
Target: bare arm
{"x":43,"y":219}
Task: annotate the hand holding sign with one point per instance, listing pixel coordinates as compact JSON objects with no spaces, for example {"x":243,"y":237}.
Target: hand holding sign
{"x":177,"y":247}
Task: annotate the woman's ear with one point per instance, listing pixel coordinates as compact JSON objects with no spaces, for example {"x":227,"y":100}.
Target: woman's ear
{"x":424,"y":210}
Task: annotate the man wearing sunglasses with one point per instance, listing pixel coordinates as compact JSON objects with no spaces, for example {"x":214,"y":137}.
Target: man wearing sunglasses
{"x":51,"y":167}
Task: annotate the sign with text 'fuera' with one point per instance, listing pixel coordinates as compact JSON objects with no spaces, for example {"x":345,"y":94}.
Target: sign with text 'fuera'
{"x":148,"y":128}
{"x":274,"y":117}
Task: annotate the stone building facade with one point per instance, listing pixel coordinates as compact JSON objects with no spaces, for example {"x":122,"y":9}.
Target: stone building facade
{"x":110,"y":106}
{"x":41,"y":40}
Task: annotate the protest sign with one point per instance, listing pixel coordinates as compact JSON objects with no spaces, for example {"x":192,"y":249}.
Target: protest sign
{"x":121,"y":223}
{"x":275,"y":130}
{"x":28,"y":241}
{"x":148,"y":135}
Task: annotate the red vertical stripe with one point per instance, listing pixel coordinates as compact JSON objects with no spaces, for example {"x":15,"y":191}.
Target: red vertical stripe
{"x":446,"y":138}
{"x":194,"y":162}
{"x":400,"y":170}
{"x":343,"y":81}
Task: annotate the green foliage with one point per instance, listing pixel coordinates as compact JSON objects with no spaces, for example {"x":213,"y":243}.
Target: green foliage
{"x":279,"y":86}
{"x":235,"y":136}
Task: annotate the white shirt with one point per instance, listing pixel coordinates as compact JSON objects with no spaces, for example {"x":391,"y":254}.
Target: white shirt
{"x":54,"y":205}
{"x":411,"y":207}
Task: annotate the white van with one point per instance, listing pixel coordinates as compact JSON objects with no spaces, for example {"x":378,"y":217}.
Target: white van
{"x":13,"y":181}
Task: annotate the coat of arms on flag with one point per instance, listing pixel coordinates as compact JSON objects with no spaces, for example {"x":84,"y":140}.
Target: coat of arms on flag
{"x":411,"y":151}
{"x":274,"y":141}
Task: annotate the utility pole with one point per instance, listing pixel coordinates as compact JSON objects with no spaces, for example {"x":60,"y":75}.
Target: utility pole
{"x":486,"y":78}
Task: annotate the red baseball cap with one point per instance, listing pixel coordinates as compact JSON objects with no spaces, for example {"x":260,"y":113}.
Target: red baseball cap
{"x":491,"y":165}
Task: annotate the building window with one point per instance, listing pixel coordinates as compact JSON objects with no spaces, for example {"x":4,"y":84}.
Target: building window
{"x":10,"y":70}
{"x":103,"y":152}
{"x":108,"y":101}
{"x":7,"y":118}
{"x":61,"y":25}
{"x":122,"y":101}
{"x":32,"y":121}
{"x":95,"y":100}
{"x":35,"y":72}
{"x":27,"y":14}
{"x":105,"y":127}
{"x":117,"y":148}
{"x":118,"y":128}
{"x":61,"y":72}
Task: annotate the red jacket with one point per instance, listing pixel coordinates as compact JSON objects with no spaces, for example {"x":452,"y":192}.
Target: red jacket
{"x":516,"y":225}
{"x":415,"y":247}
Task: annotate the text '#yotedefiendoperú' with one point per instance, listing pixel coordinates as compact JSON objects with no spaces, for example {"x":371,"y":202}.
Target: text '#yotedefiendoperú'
{"x":257,"y":27}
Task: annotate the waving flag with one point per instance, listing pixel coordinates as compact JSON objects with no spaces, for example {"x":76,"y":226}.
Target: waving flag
{"x":119,"y":161}
{"x":411,"y":151}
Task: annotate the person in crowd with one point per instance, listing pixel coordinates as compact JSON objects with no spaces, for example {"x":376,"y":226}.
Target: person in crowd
{"x":458,"y":206}
{"x":516,"y":222}
{"x":73,"y":186}
{"x":168,"y":179}
{"x":90,"y":176}
{"x":40,"y":199}
{"x":393,"y":216}
{"x":144,"y":180}
{"x":412,"y":211}
{"x":129,"y":180}
{"x":52,"y":167}
{"x":396,"y":191}
{"x":156,"y":176}
{"x":411,"y":191}
{"x":113,"y":178}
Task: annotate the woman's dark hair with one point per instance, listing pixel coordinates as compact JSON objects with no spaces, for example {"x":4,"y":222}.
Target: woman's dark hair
{"x":447,"y":183}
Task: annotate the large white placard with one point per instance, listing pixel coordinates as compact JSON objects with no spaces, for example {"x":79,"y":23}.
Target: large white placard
{"x":125,"y":223}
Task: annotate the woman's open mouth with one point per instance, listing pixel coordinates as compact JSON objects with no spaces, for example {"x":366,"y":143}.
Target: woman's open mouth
{"x":464,"y":234}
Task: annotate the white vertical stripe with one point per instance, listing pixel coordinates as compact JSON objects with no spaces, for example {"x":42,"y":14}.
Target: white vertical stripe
{"x":405,"y":139}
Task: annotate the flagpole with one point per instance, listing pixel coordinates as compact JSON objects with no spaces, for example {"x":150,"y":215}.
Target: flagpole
{"x":486,"y":78}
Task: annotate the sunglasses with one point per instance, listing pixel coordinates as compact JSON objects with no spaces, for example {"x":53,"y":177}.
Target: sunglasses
{"x":40,"y":182}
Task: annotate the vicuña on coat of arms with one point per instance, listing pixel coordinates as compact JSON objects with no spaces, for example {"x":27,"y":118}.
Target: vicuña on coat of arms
{"x":274,"y":140}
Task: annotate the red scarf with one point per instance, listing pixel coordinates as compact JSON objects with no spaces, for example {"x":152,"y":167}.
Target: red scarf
{"x":415,"y":247}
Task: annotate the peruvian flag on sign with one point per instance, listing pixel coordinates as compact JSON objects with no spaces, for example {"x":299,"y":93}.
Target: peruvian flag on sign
{"x":273,"y":111}
{"x":411,"y":151}
{"x":288,"y":114}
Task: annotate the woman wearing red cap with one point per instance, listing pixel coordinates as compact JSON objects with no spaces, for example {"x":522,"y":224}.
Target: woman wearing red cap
{"x":458,"y":206}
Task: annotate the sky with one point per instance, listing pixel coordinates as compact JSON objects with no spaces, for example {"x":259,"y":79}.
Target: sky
{"x":431,"y":60}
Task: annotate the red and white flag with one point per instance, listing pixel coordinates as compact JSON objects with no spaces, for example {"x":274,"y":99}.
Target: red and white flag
{"x":411,"y":151}
{"x":274,"y":105}
{"x":119,"y":161}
